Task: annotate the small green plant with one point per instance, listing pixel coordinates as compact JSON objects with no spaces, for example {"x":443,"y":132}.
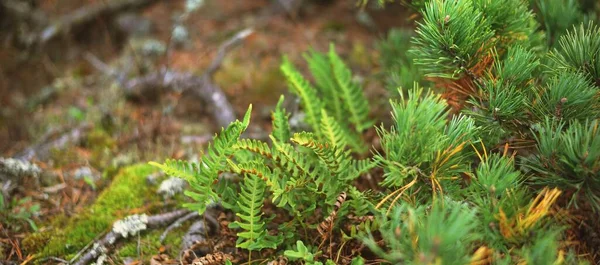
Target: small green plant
{"x":17,"y":213}
{"x":302,"y":174}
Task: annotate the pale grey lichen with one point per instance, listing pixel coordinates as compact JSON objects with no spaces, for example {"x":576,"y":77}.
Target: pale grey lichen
{"x":151,"y":47}
{"x":97,"y":250}
{"x":180,"y":34}
{"x":15,"y":168}
{"x":171,"y":186}
{"x":83,"y":172}
{"x":193,"y":5}
{"x":131,"y":225}
{"x":101,"y":259}
{"x":122,"y":160}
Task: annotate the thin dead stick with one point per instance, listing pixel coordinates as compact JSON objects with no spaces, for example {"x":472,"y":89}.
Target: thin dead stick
{"x":176,"y":224}
{"x":225,"y":48}
{"x":87,"y":14}
{"x":104,"y":245}
{"x":202,"y":86}
{"x":199,"y":232}
{"x":41,"y":151}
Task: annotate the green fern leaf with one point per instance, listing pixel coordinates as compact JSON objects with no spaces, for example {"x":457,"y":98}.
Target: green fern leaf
{"x":202,"y":178}
{"x":321,"y":70}
{"x":281,"y":124}
{"x":255,"y":146}
{"x":301,"y":87}
{"x":354,"y":100}
{"x":291,"y":161}
{"x":253,"y":235}
{"x":332,"y":132}
{"x":178,"y":168}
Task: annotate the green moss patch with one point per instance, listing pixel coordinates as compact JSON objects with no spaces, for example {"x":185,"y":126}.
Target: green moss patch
{"x":127,"y":192}
{"x":150,"y":245}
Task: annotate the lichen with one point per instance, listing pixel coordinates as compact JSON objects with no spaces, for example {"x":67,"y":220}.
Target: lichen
{"x":127,"y":193}
{"x":171,"y":186}
{"x":18,"y":168}
{"x":131,"y":225}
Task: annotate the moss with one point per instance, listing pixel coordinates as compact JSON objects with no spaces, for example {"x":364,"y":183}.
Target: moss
{"x":150,"y":245}
{"x":101,"y":145}
{"x":33,"y":243}
{"x":125,"y":195}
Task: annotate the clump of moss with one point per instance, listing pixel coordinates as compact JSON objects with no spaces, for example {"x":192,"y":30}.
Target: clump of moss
{"x":149,"y":244}
{"x":127,"y":192}
{"x":101,"y":144}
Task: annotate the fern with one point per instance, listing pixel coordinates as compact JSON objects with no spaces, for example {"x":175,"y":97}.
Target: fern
{"x":301,"y":87}
{"x":281,"y":124}
{"x":332,"y":131}
{"x":253,"y":236}
{"x":352,"y":95}
{"x":214,"y":161}
{"x":255,"y":146}
{"x":321,"y":70}
{"x":181,"y":169}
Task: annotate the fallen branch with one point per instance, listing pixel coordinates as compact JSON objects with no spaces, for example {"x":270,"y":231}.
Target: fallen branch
{"x":202,"y":86}
{"x":87,"y":14}
{"x":194,"y":242}
{"x":176,"y":224}
{"x":131,"y":225}
{"x":21,"y":10}
{"x":41,"y":151}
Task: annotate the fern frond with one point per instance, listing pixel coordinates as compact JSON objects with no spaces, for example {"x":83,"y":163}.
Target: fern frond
{"x":291,"y":161}
{"x":363,"y":165}
{"x":255,"y":146}
{"x":213,"y":162}
{"x":281,"y":123}
{"x":301,"y":87}
{"x":337,"y":160}
{"x":321,"y":70}
{"x":351,"y":93}
{"x":257,"y":168}
{"x":179,"y":168}
{"x":332,"y":132}
{"x":254,"y":235}
{"x":359,"y":203}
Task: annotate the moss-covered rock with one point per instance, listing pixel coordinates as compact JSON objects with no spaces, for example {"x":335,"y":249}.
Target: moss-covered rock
{"x":127,"y":193}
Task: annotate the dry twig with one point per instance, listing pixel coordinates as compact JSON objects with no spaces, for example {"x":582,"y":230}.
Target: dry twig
{"x":176,"y":224}
{"x":104,"y":245}
{"x":202,"y":86}
{"x":41,"y":151}
{"x":87,"y":14}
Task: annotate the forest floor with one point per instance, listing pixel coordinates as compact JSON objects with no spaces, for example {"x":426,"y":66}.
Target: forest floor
{"x":92,"y":139}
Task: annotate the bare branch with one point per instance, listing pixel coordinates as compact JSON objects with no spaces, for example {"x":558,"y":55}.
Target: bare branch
{"x":41,"y":151}
{"x":202,"y":86}
{"x":176,"y":224}
{"x":87,"y":14}
{"x":104,"y":245}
